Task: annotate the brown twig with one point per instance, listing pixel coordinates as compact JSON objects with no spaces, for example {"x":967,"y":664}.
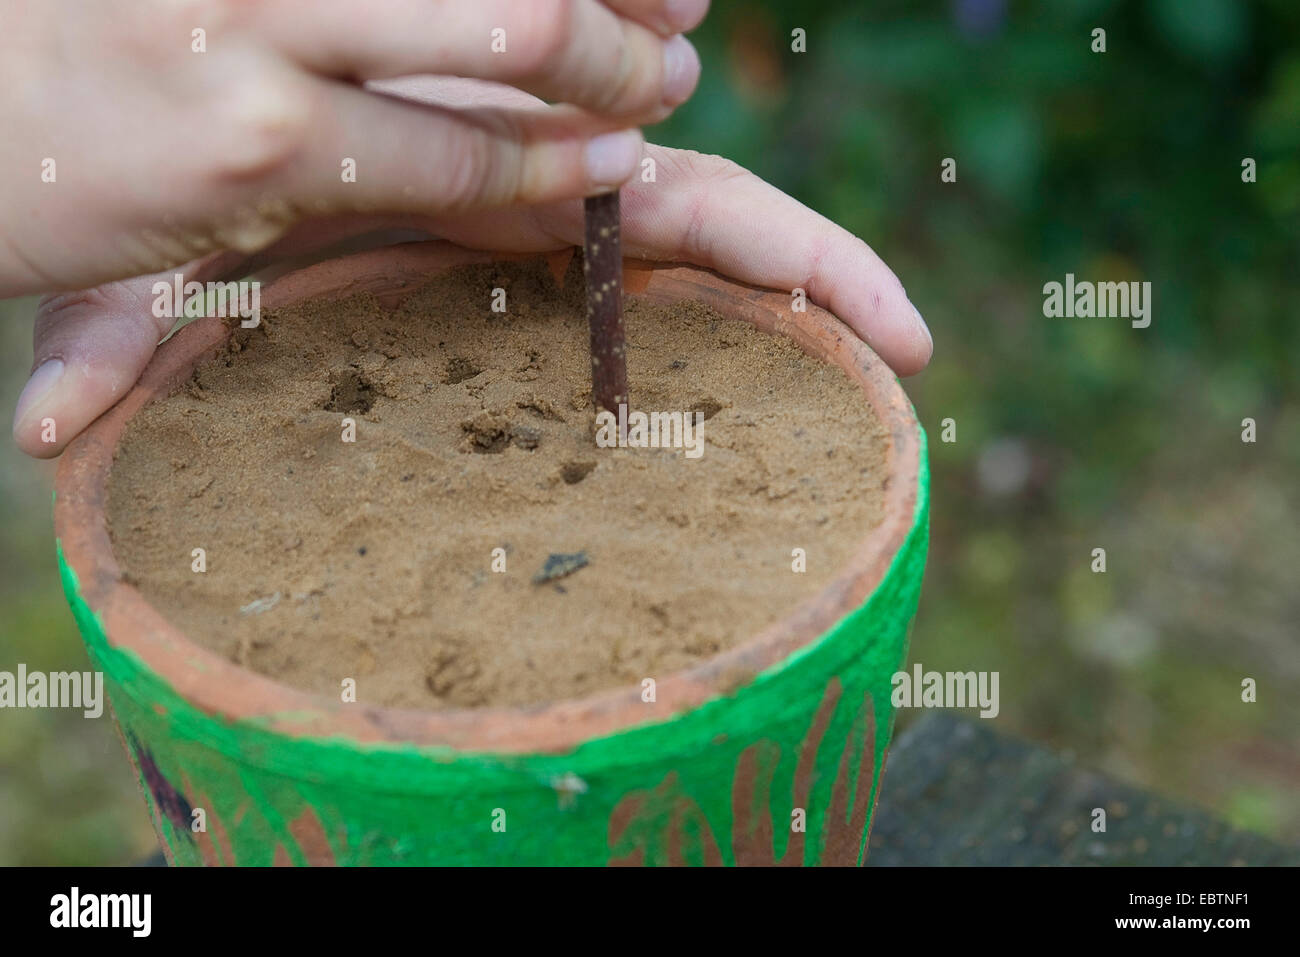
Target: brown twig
{"x":603,"y":266}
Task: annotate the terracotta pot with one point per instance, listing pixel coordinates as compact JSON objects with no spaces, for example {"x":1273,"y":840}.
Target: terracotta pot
{"x":789,"y":726}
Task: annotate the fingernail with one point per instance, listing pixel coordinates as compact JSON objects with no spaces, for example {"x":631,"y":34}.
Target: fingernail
{"x":38,"y":387}
{"x":612,"y":157}
{"x":681,"y":70}
{"x":685,"y":15}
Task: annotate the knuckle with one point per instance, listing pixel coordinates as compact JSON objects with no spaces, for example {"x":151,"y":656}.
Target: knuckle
{"x":482,"y":166}
{"x":638,"y":79}
{"x":544,"y":28}
{"x":702,"y":174}
{"x":717,"y":169}
{"x":268,"y":125}
{"x":703,"y":168}
{"x":162,"y":31}
{"x":58,"y":312}
{"x":465,"y":171}
{"x":53,"y":308}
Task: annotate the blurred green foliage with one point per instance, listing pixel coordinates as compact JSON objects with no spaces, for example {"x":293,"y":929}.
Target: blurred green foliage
{"x":1071,"y":434}
{"x":67,"y":795}
{"x":1123,"y":165}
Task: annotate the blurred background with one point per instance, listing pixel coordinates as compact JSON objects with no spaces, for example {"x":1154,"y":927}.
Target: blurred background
{"x":1072,"y":434}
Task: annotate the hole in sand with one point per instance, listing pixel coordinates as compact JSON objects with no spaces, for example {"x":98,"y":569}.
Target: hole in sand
{"x":459,"y":369}
{"x":575,"y":472}
{"x":351,"y":393}
{"x":709,"y":408}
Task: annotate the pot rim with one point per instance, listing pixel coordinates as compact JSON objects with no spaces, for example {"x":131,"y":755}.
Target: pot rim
{"x":130,"y":624}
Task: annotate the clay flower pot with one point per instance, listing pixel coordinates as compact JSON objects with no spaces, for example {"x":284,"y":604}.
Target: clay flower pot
{"x":790,"y":725}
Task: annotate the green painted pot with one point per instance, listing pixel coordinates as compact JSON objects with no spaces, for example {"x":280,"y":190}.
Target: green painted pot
{"x":769,"y":753}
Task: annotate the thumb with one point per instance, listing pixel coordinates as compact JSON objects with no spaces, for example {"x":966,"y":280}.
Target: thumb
{"x":89,"y":349}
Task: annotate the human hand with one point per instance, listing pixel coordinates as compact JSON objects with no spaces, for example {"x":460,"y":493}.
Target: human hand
{"x":91,"y":346}
{"x":127,"y":151}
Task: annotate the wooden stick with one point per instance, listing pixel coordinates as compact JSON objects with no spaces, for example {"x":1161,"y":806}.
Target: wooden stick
{"x":602,"y":264}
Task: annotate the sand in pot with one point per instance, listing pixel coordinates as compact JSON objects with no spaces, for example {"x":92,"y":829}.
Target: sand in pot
{"x":375,"y":559}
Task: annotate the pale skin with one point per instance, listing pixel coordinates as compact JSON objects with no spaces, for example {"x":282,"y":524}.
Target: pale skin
{"x":220,"y":163}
